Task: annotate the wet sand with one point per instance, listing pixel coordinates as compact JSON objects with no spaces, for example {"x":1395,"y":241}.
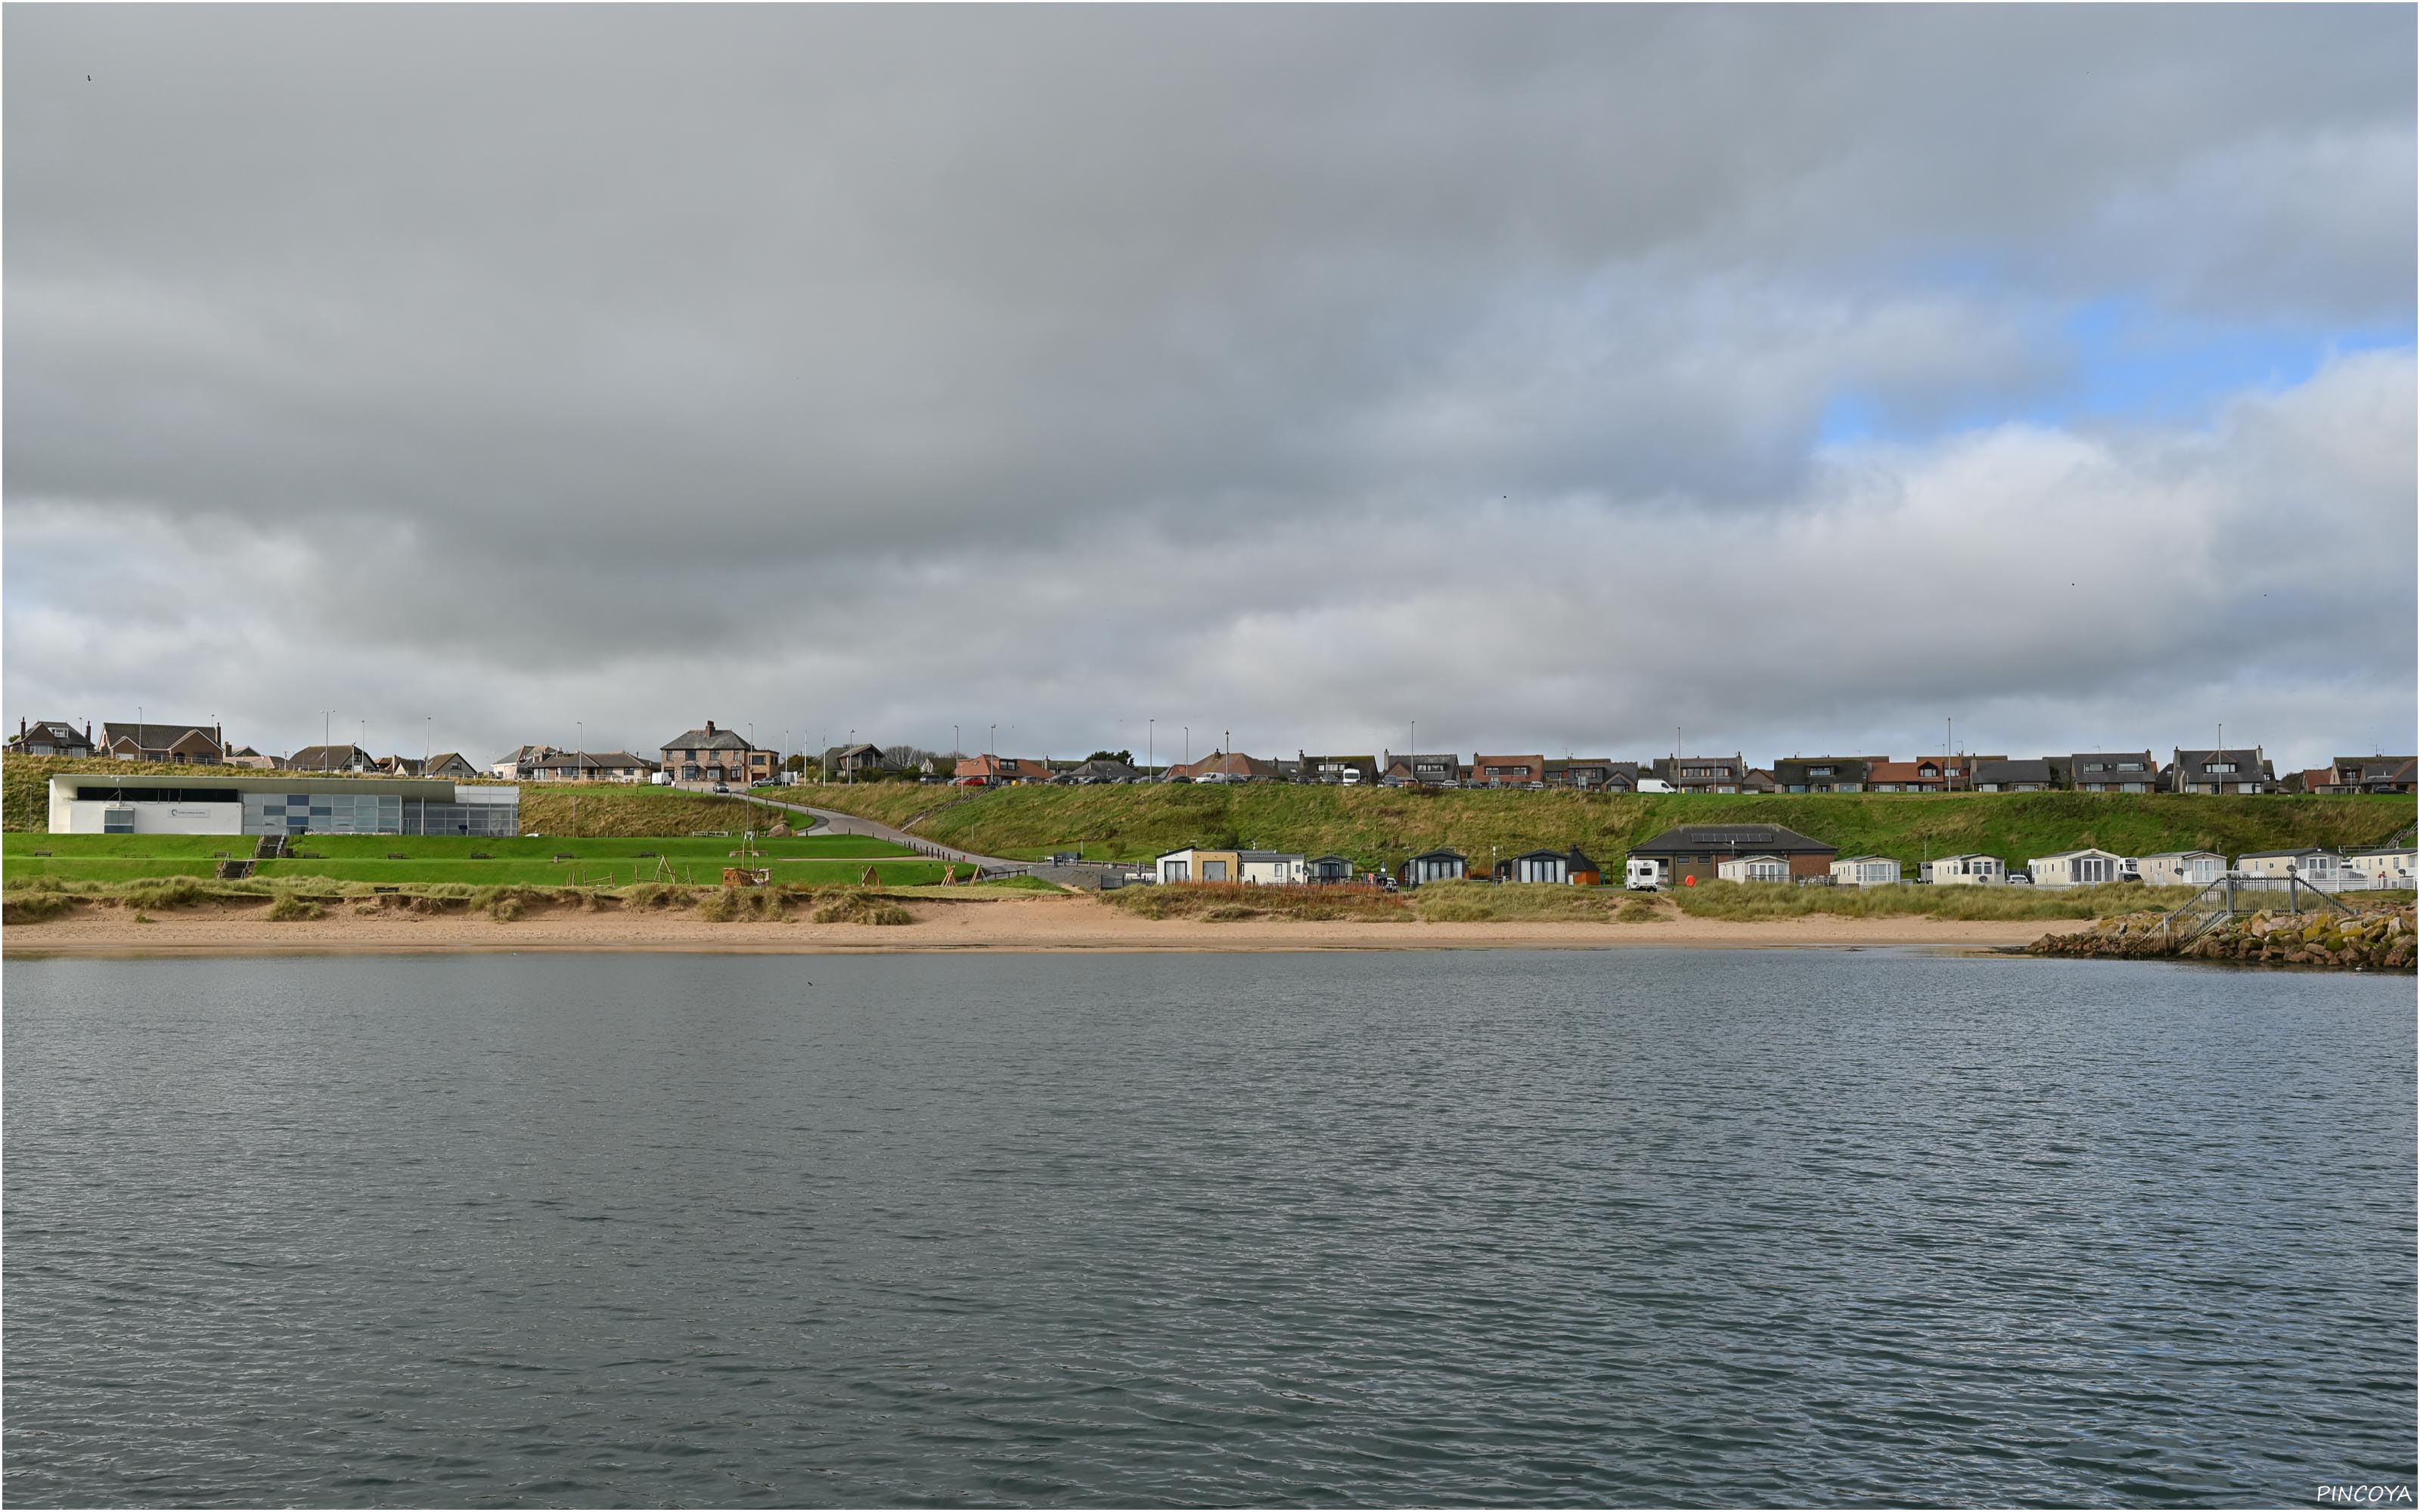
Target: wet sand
{"x":1029,"y":923}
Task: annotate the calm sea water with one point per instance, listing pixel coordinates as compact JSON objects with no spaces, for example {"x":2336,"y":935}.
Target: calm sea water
{"x":1535,"y":1228}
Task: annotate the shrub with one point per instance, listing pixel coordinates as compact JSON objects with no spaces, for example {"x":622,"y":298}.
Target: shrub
{"x":142,"y":918}
{"x":27,"y":905}
{"x":289,"y":907}
{"x":651,"y":895}
{"x":1636,"y":911}
{"x":862,"y":908}
{"x":168,"y":892}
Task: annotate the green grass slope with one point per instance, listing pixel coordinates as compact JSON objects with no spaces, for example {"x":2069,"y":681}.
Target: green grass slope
{"x":1377,"y":826}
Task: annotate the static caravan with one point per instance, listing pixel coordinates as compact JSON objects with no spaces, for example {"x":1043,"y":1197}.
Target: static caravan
{"x":1541,"y":866}
{"x":1271,"y":869}
{"x":1329,"y":869}
{"x":1645,"y":873}
{"x":1435,"y":866}
{"x":2182,"y":869}
{"x":1964,"y":871}
{"x":2318,"y":867}
{"x":2382,"y":866}
{"x":1190,"y":865}
{"x":1865,"y":871}
{"x":1753,"y":869}
{"x":2075,"y":869}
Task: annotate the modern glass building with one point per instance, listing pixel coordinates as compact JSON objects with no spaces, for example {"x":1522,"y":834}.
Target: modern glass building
{"x":277,"y":802}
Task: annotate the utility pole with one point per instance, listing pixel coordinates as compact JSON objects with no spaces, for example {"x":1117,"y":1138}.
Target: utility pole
{"x":427,"y":729}
{"x":1150,"y":743}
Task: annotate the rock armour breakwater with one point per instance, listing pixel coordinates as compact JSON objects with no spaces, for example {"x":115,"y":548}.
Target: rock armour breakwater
{"x":2380,"y":939}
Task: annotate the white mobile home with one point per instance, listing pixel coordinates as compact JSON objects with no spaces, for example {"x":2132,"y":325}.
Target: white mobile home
{"x":1644,"y":873}
{"x":1271,"y":869}
{"x":2382,"y":866}
{"x":2075,"y":869}
{"x":2318,"y":867}
{"x":1865,"y":871}
{"x":1753,"y":869}
{"x":1964,"y":871}
{"x":2182,"y":869}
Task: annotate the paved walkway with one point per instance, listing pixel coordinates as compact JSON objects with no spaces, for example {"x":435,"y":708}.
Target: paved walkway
{"x":848,"y":823}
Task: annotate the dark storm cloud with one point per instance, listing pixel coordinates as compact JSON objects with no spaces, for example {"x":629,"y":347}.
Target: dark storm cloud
{"x":632,"y":340}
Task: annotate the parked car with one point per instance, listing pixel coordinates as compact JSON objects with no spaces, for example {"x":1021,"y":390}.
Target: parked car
{"x":723,"y":787}
{"x":2020,"y":879}
{"x":967,"y":782}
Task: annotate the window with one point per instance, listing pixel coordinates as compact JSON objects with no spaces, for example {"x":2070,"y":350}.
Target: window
{"x":2219,"y":767}
{"x":1214,"y":870}
{"x":1818,"y":771}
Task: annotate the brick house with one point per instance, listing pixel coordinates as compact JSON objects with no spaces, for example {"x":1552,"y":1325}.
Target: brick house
{"x":714,"y":755}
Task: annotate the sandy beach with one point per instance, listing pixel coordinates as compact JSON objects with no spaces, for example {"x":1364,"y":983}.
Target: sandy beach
{"x":1030,"y":923}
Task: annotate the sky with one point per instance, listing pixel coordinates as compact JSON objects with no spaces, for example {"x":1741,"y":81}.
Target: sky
{"x":1777,"y":380}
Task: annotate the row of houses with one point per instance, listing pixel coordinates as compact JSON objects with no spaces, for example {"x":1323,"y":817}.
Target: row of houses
{"x":2209,"y":772}
{"x":1687,"y":856}
{"x":712,"y":755}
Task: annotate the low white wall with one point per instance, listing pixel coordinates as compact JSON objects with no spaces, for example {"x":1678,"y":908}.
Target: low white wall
{"x":84,"y":817}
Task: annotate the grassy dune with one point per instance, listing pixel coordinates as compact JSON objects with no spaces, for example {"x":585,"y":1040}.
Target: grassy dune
{"x":1380,"y":827}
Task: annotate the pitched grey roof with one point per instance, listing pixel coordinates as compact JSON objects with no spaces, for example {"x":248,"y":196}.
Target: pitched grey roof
{"x":2032,"y":771}
{"x":329,"y":758}
{"x":2108,"y":760}
{"x":701,"y":740}
{"x":2192,"y":764}
{"x":152,"y":735}
{"x":1734,"y":839}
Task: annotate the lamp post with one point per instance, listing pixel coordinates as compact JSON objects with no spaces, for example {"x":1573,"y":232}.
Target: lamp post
{"x":995,"y":740}
{"x":844,"y":747}
{"x":1150,"y":743}
{"x":428,"y":732}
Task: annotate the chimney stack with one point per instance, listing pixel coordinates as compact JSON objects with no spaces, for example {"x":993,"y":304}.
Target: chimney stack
{"x":710,"y":727}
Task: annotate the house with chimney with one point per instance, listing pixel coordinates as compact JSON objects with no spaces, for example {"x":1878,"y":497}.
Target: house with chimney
{"x":1825,"y":774}
{"x":2211,"y":772}
{"x":1704,"y":774}
{"x":1435,"y":770}
{"x":1508,"y":771}
{"x":709,"y":754}
{"x":50,"y":738}
{"x":2124,"y":771}
{"x":178,"y":745}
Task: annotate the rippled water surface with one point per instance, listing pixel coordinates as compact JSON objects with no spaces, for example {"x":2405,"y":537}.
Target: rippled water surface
{"x":1693,"y":1227}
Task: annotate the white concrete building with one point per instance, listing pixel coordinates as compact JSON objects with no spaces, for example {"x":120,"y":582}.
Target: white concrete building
{"x":2075,"y":869}
{"x":1865,"y":871}
{"x":2180,"y":868}
{"x":276,"y":803}
{"x":1964,"y":871}
{"x":1753,"y":869}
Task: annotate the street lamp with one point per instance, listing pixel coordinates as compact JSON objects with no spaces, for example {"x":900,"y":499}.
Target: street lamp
{"x":852,"y":764}
{"x":1150,"y":741}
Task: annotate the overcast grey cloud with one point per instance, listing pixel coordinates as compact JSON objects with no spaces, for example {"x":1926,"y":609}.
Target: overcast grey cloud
{"x":1554,"y":377}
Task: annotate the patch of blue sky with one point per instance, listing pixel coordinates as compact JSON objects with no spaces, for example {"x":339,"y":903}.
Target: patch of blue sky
{"x":2120,"y":359}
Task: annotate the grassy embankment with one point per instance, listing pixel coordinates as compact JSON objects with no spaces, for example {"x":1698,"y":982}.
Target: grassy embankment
{"x":1380,"y":827}
{"x":411,"y":861}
